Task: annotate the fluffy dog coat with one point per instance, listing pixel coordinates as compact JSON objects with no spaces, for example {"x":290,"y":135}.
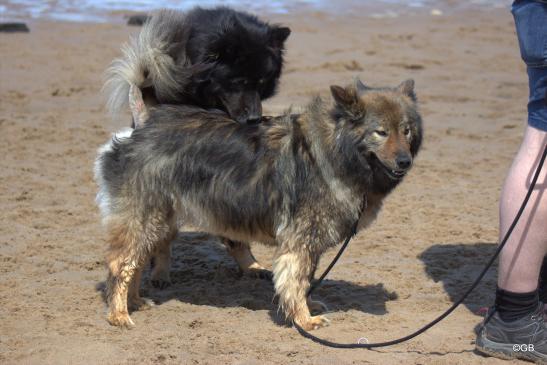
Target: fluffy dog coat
{"x":295,"y":181}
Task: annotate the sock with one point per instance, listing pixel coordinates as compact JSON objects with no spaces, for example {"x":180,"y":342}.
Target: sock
{"x":512,"y":306}
{"x":543,"y":281}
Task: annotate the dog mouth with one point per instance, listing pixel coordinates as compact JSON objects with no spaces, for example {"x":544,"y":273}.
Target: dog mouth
{"x":394,"y":174}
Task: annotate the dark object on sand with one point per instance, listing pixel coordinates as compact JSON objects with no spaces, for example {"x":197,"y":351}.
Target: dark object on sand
{"x":14,"y":27}
{"x":138,"y":19}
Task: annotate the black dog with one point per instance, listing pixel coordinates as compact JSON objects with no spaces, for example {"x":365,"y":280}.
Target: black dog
{"x":213,"y":58}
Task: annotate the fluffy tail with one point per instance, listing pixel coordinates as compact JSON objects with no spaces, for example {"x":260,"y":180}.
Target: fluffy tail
{"x":105,"y":170}
{"x":153,"y":58}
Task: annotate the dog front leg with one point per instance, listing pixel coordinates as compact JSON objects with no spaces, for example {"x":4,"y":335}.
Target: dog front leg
{"x":291,"y":274}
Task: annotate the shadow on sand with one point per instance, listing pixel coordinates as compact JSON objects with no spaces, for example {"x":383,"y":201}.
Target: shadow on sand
{"x":203,"y":273}
{"x":457,"y":265}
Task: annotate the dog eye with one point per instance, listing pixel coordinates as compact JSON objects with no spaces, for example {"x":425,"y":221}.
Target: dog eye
{"x":261,"y":81}
{"x":407,"y":131}
{"x":381,"y":133}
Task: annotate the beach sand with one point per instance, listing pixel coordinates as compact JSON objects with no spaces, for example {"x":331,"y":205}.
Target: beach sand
{"x":431,"y":239}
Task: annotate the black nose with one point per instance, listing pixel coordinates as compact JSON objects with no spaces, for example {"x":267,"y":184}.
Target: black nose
{"x":254,"y":114}
{"x":403,"y":162}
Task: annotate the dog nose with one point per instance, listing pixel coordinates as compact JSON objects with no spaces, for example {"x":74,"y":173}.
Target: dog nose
{"x":403,"y":162}
{"x":253,"y":119}
{"x":254,"y":114}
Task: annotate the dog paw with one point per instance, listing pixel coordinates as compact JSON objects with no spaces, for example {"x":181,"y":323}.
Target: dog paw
{"x":140,"y":304}
{"x":313,"y":323}
{"x":316,"y":306}
{"x":121,"y":320}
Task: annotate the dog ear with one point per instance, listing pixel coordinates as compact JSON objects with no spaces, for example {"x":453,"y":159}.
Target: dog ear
{"x":407,"y":88}
{"x":278,"y":36}
{"x":343,"y":97}
{"x":361,"y":88}
{"x":347,"y":102}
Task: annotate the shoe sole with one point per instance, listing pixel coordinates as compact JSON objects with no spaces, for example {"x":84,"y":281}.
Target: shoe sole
{"x":505,"y":351}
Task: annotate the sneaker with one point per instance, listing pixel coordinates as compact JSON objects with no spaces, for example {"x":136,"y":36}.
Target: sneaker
{"x":525,"y":338}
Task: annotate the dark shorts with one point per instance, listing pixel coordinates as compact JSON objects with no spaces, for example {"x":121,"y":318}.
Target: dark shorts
{"x":531,"y":23}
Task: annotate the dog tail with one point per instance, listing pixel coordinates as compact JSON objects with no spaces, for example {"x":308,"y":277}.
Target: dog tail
{"x":107,"y":171}
{"x":155,"y":58}
{"x":137,"y":106}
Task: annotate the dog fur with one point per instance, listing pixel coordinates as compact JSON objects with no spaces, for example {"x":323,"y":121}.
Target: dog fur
{"x":212,"y":58}
{"x":295,"y":181}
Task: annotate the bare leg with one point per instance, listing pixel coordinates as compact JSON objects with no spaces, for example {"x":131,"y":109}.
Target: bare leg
{"x":241,"y":252}
{"x":521,"y":258}
{"x":292,"y":271}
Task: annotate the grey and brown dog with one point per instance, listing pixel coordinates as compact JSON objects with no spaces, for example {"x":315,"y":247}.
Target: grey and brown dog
{"x":295,"y":181}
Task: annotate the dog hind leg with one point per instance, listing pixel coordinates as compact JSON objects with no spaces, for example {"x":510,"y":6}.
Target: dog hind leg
{"x":131,"y":242}
{"x":122,"y":261}
{"x":241,"y":252}
{"x":134,"y":301}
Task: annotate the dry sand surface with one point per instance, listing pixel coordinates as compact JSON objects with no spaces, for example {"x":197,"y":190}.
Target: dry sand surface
{"x":432,"y":237}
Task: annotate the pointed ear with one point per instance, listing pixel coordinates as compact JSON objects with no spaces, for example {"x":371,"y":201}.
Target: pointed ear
{"x":360,"y":86}
{"x":407,"y":88}
{"x":278,"y":36}
{"x":347,"y":102}
{"x":343,"y":97}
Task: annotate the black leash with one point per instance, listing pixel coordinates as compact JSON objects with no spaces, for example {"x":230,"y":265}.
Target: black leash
{"x":449,"y":310}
